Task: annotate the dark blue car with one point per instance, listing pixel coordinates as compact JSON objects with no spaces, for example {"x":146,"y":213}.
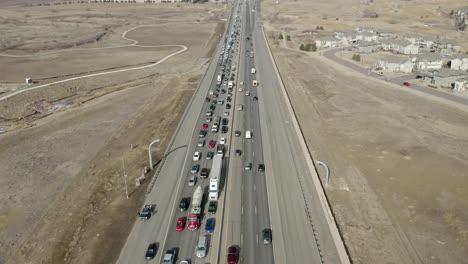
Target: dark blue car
{"x":210,"y":224}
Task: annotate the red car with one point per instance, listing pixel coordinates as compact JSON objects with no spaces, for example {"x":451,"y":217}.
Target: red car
{"x":406,"y":84}
{"x":232,"y":255}
{"x":212,"y":144}
{"x":180,"y":224}
{"x":205,"y":126}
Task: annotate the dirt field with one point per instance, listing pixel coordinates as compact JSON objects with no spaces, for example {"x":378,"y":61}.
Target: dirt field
{"x":299,"y":18}
{"x":398,"y":160}
{"x":61,"y":186}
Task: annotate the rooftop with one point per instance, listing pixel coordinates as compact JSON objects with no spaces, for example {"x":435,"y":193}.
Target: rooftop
{"x":444,"y":73}
{"x":429,"y":56}
{"x":395,"y":59}
{"x":368,"y":44}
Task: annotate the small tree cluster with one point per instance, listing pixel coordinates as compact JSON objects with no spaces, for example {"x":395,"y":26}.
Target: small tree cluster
{"x":356,"y":57}
{"x":308,"y":47}
{"x":319,"y":28}
{"x":288,"y":37}
{"x":280,"y":36}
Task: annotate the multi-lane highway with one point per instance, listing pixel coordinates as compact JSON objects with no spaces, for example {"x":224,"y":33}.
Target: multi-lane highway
{"x":283,"y":197}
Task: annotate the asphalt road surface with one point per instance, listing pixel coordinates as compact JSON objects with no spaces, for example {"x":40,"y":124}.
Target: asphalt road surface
{"x":172,"y":181}
{"x":331,"y":54}
{"x":245,"y":221}
{"x":282,"y":198}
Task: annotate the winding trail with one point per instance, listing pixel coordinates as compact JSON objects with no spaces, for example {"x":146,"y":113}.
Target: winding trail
{"x":184,"y":48}
{"x":123,"y":36}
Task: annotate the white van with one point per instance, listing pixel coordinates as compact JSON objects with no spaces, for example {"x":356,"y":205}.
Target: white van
{"x":253,"y":71}
{"x":201,"y":247}
{"x":248,"y":134}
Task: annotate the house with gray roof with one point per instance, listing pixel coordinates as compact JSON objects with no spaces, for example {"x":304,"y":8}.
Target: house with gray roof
{"x":444,"y":77}
{"x":428,"y":61}
{"x":367,"y":46}
{"x":348,"y":38}
{"x":399,"y":46}
{"x":394,"y":63}
{"x":405,"y":47}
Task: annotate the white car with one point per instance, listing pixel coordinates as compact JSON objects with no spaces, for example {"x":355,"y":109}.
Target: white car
{"x":201,"y":142}
{"x":192,"y":181}
{"x":222,"y":141}
{"x":226,"y":113}
{"x":240,"y":90}
{"x":247,"y":93}
{"x":196,"y":156}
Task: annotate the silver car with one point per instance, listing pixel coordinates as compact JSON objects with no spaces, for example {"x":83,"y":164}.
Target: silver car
{"x":192,"y":181}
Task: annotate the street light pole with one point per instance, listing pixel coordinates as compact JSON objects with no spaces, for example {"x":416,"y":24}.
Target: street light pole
{"x":125,"y":177}
{"x":149,"y":153}
{"x":328,"y":170}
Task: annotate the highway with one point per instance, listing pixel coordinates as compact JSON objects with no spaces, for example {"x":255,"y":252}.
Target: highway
{"x":285,"y":198}
{"x":246,"y":222}
{"x":171,"y":183}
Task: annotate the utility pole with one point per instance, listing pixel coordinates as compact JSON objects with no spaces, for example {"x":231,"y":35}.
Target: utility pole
{"x":125,"y":177}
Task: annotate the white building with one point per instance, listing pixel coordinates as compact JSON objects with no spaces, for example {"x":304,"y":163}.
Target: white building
{"x":461,"y":84}
{"x":347,"y":38}
{"x":366,"y":36}
{"x":399,"y":46}
{"x":405,"y":47}
{"x":459,"y":63}
{"x":367,"y":47}
{"x":393,"y":63}
{"x":428,"y":61}
{"x":445,"y":77}
{"x":327,"y":42}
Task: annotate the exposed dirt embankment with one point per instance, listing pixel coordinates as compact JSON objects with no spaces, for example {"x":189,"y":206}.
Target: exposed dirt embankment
{"x":61,"y":186}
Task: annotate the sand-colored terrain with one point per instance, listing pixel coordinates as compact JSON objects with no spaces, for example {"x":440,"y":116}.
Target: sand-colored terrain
{"x":299,"y":18}
{"x":61,"y":185}
{"x":398,"y":160}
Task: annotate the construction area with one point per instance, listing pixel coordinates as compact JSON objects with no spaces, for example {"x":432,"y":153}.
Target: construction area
{"x":107,"y":79}
{"x":398,"y":158}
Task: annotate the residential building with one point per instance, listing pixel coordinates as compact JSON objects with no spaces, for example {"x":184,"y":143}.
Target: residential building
{"x":327,"y":42}
{"x":461,"y":84}
{"x":394,"y":63}
{"x":348,"y":38}
{"x":459,"y":63}
{"x":400,"y":46}
{"x":428,"y":61}
{"x":366,"y":36}
{"x":367,"y":46}
{"x":405,"y":47}
{"x":444,"y":77}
